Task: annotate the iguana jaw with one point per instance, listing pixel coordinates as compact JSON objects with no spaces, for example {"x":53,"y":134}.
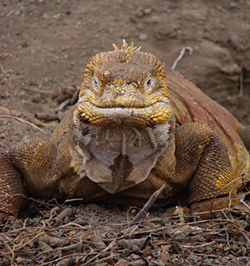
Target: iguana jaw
{"x":157,"y":113}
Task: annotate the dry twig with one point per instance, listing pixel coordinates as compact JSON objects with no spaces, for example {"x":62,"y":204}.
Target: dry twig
{"x":63,"y":105}
{"x":38,"y":91}
{"x":26,"y":122}
{"x":218,"y":192}
{"x":148,"y":204}
{"x":190,"y":49}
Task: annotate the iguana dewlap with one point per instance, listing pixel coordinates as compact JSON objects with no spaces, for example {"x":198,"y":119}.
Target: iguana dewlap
{"x":135,"y":127}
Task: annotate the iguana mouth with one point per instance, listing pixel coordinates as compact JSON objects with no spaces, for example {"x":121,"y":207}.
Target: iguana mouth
{"x":157,"y":113}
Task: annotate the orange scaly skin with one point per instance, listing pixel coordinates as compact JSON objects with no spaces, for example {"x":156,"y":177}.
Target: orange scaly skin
{"x":135,"y":127}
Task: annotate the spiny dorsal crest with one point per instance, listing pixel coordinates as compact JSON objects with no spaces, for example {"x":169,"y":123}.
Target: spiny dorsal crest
{"x":125,"y":47}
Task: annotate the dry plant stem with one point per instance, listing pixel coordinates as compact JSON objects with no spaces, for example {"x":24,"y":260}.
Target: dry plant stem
{"x":243,"y":182}
{"x":35,"y":235}
{"x":53,"y":211}
{"x":147,"y":205}
{"x":190,"y":49}
{"x":228,"y":239}
{"x":62,"y":258}
{"x":73,"y":224}
{"x":218,"y":192}
{"x":11,"y":251}
{"x":106,"y":258}
{"x":13,"y":195}
{"x":37,"y":90}
{"x":200,"y":246}
{"x":242,"y":201}
{"x":26,"y":122}
{"x":207,"y":255}
{"x":111,"y":245}
{"x":63,"y":105}
{"x":22,"y":245}
{"x":72,"y":200}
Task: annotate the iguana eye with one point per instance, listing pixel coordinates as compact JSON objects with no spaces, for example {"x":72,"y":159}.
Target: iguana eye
{"x":95,"y":83}
{"x":149,"y":83}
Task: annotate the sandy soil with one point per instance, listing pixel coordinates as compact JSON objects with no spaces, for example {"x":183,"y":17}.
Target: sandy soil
{"x":44,"y":47}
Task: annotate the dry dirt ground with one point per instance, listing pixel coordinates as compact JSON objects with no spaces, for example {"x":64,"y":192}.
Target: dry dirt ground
{"x":44,"y":47}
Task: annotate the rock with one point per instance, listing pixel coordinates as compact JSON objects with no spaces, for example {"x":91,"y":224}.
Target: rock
{"x":143,"y":37}
{"x":25,"y":44}
{"x":140,"y":26}
{"x":147,"y":11}
{"x":4,"y":111}
{"x":15,"y":113}
{"x":231,"y":69}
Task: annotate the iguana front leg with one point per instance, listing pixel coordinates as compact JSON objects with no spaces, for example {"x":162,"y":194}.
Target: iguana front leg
{"x":212,"y":180}
{"x":199,"y":168}
{"x":29,"y":167}
{"x":12,"y":190}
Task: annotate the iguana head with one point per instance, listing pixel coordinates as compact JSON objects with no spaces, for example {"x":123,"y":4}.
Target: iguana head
{"x":123,"y":120}
{"x":124,"y":86}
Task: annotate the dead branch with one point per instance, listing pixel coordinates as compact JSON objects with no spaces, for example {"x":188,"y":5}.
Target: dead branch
{"x":46,"y":117}
{"x":63,"y":105}
{"x":26,"y":122}
{"x":190,"y":49}
{"x":199,"y":246}
{"x":38,"y":91}
{"x":218,"y":192}
{"x":148,"y":204}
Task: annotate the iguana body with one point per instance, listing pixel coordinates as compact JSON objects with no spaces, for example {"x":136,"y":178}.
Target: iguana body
{"x":135,"y":127}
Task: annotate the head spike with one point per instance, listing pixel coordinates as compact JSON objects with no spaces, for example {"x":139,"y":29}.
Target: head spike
{"x":125,"y":47}
{"x":115,"y":47}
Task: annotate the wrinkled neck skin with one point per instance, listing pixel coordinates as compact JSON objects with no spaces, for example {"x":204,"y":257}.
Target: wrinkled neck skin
{"x":118,"y":157}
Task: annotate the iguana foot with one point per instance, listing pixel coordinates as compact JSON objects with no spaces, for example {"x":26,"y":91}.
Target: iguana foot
{"x":212,"y":208}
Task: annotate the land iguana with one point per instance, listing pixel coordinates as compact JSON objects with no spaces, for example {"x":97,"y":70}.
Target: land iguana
{"x":135,"y":127}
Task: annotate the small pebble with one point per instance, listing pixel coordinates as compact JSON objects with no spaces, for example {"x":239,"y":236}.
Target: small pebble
{"x":147,"y":11}
{"x":140,"y":26}
{"x":4,"y":111}
{"x":24,"y":44}
{"x":143,"y":37}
